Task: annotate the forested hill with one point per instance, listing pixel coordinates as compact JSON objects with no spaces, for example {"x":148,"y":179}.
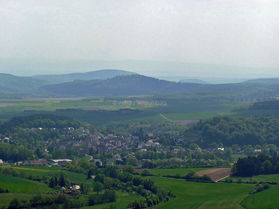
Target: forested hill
{"x":264,"y":81}
{"x":229,"y":131}
{"x":92,"y":75}
{"x":10,"y":85}
{"x":142,"y":85}
{"x":124,"y":83}
{"x":38,"y":121}
{"x":119,"y":86}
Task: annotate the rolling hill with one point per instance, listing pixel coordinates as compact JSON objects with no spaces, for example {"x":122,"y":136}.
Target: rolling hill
{"x":124,"y":83}
{"x":118,"y":86}
{"x":11,"y":85}
{"x":92,"y":75}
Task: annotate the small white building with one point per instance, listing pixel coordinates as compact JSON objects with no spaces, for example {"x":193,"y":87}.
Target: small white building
{"x":60,"y":162}
{"x":1,"y":162}
{"x":76,"y":187}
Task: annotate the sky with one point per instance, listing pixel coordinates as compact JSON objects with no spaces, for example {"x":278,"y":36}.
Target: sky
{"x":162,"y":37}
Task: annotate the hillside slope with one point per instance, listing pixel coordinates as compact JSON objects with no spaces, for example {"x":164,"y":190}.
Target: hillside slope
{"x":92,"y":75}
{"x":16,"y":85}
{"x":118,"y":86}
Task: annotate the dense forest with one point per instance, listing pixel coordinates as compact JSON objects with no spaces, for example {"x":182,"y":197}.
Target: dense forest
{"x":229,"y":131}
{"x":252,"y":165}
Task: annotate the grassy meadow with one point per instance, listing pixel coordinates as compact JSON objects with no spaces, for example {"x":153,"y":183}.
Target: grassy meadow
{"x":20,"y":185}
{"x":77,"y":178}
{"x":262,"y":200}
{"x":20,"y":188}
{"x":260,"y":178}
{"x":203,"y":195}
{"x":122,"y":201}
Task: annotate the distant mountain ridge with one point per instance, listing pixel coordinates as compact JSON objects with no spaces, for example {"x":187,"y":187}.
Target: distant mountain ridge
{"x":264,"y":81}
{"x":10,"y":84}
{"x":124,"y":83}
{"x":92,"y":75}
{"x":118,"y":86}
{"x":198,"y":81}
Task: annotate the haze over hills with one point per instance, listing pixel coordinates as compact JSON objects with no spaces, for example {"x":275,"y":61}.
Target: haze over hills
{"x":118,"y":86}
{"x":10,"y":84}
{"x":125,"y":83}
{"x":92,"y":75}
{"x":264,"y":81}
{"x":193,"y":81}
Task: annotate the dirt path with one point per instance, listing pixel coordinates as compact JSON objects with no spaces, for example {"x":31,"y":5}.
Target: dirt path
{"x":216,"y":174}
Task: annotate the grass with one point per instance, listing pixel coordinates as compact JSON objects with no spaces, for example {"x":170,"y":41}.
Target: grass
{"x":122,"y":201}
{"x":203,"y":195}
{"x":262,"y":200}
{"x":77,"y":178}
{"x":174,"y":171}
{"x":20,"y":185}
{"x":6,"y":198}
{"x":260,"y":178}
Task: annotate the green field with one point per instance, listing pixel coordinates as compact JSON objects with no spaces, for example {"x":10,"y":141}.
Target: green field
{"x":260,"y":178}
{"x":174,"y":171}
{"x":262,"y":200}
{"x":203,"y":195}
{"x":77,"y":178}
{"x":122,"y":201}
{"x":20,"y":185}
{"x":6,"y":198}
{"x":20,"y":188}
{"x":101,"y":111}
{"x":188,"y":194}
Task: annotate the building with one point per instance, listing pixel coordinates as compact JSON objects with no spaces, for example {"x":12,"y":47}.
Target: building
{"x":97,"y":162}
{"x":1,"y":162}
{"x":60,"y":162}
{"x":40,"y":162}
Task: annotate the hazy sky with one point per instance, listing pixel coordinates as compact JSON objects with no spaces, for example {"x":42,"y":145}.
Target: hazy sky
{"x":226,"y":32}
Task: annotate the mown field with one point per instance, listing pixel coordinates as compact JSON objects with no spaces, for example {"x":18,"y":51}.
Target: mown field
{"x":203,"y":195}
{"x":77,"y":178}
{"x":20,"y":188}
{"x":20,"y":185}
{"x":260,"y":178}
{"x":262,"y":200}
{"x":122,"y":201}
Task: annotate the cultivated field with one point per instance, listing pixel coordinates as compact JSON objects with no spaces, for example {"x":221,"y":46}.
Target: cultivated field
{"x":174,"y":171}
{"x":216,"y":174}
{"x":100,"y":111}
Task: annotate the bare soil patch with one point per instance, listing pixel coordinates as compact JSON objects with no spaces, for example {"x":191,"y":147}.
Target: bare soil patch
{"x":186,"y":122}
{"x":216,"y":174}
{"x":7,"y":104}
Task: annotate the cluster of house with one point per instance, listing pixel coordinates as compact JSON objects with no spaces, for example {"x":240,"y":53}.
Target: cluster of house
{"x":44,"y":162}
{"x":107,"y":143}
